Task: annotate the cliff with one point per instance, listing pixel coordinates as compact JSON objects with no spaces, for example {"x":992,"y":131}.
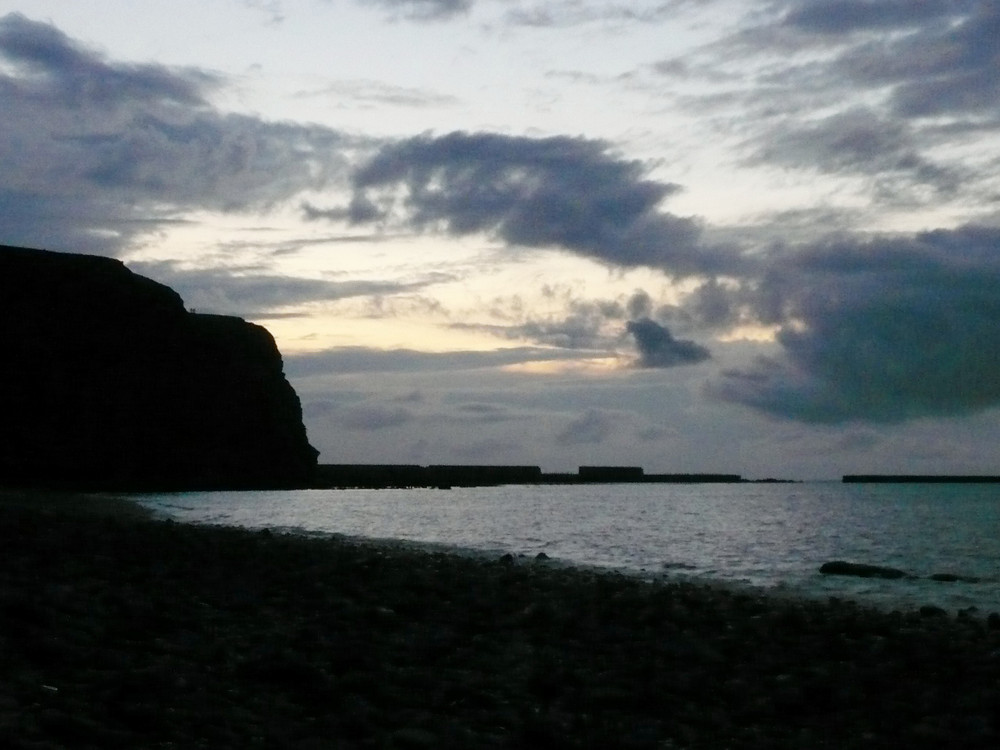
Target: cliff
{"x":107,"y":382}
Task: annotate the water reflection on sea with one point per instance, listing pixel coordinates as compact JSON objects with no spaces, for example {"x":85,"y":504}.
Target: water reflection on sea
{"x":774,"y":536}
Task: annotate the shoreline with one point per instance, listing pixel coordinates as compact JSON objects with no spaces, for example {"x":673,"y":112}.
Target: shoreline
{"x":121,"y":630}
{"x":951,"y":588}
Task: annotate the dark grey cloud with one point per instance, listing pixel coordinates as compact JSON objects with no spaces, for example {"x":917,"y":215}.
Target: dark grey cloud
{"x":61,"y":68}
{"x":858,"y":141}
{"x":639,"y":305}
{"x":560,"y":192}
{"x":423,"y":10}
{"x":848,"y":16}
{"x":898,"y":95}
{"x":934,"y":58}
{"x":658,"y":348}
{"x":96,"y":153}
{"x":715,"y":305}
{"x":942,"y":68}
{"x":883,"y":330}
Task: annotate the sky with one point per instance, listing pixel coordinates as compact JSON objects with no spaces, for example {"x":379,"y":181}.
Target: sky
{"x":755,"y":237}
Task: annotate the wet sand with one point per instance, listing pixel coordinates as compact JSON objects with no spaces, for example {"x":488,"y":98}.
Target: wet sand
{"x":120,"y":631}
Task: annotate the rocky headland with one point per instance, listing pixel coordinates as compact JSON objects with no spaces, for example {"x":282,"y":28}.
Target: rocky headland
{"x":110,"y":383}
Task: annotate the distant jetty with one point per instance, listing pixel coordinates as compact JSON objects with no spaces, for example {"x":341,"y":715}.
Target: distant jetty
{"x":374,"y":476}
{"x":919,"y":479}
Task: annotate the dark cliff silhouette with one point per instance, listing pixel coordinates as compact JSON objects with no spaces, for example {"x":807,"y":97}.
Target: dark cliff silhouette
{"x":107,"y":382}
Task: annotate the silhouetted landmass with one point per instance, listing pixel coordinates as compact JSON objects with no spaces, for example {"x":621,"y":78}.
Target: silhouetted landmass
{"x":409,"y":475}
{"x":919,"y":478}
{"x":109,"y":383}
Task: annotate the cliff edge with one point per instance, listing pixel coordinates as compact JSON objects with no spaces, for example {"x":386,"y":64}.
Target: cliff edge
{"x":107,"y":382}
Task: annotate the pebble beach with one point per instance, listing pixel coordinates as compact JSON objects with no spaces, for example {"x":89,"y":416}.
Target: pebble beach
{"x":118,"y":630}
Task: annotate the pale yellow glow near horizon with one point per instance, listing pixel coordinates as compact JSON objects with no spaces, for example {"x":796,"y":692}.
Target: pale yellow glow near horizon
{"x":755,"y":333}
{"x":427,"y":293}
{"x":582,"y":367}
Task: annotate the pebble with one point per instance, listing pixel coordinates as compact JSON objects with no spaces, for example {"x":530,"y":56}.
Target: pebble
{"x":145,"y":634}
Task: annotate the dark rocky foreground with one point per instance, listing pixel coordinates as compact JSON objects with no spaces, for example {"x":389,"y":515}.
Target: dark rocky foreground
{"x":108,"y":382}
{"x":121,"y":632}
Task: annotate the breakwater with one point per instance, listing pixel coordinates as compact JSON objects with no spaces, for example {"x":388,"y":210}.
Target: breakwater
{"x":375,"y":476}
{"x":919,"y":479}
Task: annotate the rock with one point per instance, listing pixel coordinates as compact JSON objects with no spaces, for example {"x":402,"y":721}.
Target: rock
{"x":841,"y":568}
{"x":109,"y":383}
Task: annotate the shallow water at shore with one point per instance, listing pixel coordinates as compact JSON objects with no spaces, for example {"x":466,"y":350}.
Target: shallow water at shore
{"x":773,"y":536}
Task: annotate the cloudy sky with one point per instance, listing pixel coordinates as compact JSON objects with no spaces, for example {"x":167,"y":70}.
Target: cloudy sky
{"x":745,"y":236}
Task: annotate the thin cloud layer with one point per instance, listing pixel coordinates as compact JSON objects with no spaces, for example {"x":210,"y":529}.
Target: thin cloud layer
{"x":250,"y":293}
{"x":423,"y":10}
{"x":97,"y":153}
{"x":564,"y":13}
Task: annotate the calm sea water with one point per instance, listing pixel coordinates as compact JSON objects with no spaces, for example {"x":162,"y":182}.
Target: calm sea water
{"x":773,"y":536}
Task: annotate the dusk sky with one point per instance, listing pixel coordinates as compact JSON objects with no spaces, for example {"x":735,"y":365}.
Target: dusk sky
{"x":690,"y":235}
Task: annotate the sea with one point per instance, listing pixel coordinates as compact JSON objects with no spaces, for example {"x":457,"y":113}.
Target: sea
{"x":766,"y":536}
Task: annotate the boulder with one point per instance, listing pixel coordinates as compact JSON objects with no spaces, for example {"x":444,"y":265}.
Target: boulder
{"x":109,"y":383}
